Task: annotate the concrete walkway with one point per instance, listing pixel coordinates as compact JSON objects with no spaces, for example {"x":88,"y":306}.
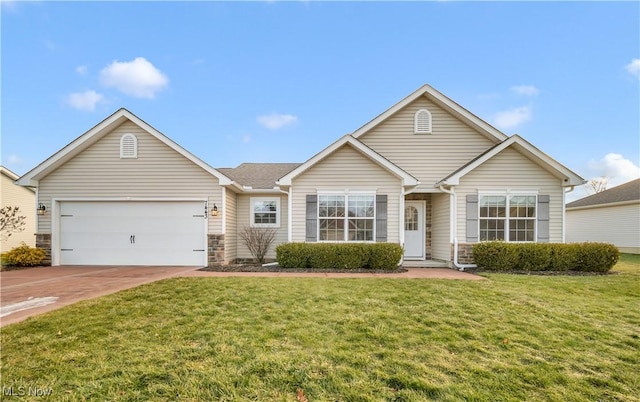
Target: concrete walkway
{"x":29,"y":292}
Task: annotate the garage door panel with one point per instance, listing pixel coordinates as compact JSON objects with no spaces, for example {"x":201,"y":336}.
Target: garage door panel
{"x":132,"y":233}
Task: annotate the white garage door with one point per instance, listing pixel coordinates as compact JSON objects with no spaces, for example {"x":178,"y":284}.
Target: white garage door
{"x":133,"y":233}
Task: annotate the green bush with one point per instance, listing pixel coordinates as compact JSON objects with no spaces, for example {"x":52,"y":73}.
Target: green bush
{"x":597,"y":257}
{"x":339,"y":255}
{"x":24,"y":256}
{"x":495,"y":255}
{"x":587,"y":257}
{"x":533,"y":256}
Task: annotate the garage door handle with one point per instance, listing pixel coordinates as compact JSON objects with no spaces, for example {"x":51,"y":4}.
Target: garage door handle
{"x":132,"y":239}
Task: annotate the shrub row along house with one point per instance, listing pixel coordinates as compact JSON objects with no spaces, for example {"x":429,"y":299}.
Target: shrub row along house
{"x":426,"y":174}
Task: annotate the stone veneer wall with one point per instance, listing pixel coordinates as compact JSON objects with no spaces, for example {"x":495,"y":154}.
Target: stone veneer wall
{"x":43,"y":241}
{"x":427,"y":219}
{"x":465,"y":255}
{"x":215,"y":248}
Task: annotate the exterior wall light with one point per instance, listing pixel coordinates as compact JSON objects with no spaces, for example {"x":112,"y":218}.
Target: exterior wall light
{"x":41,"y":209}
{"x":214,"y":210}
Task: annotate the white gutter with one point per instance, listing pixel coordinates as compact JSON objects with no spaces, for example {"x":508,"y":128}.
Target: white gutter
{"x":453,"y":237}
{"x":564,"y":210}
{"x":289,"y":206}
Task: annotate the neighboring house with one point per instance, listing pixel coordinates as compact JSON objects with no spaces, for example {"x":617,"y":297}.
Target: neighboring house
{"x":16,"y":196}
{"x":426,"y":174}
{"x":611,"y":216}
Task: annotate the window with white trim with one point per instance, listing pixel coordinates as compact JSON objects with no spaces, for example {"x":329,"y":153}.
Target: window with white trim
{"x":128,"y":146}
{"x":346,"y":217}
{"x":265,"y":212}
{"x":422,"y":122}
{"x":508,"y":217}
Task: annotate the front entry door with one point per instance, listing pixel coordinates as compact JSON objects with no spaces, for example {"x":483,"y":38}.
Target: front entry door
{"x":414,"y":230}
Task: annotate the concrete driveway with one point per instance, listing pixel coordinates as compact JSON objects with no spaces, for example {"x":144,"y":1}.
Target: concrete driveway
{"x":29,"y":292}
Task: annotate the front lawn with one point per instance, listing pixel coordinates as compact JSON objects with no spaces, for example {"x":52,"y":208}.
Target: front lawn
{"x":203,"y":339}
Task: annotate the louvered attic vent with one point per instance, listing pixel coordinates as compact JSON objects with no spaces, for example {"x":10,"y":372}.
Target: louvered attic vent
{"x":128,"y":146}
{"x":422,"y":122}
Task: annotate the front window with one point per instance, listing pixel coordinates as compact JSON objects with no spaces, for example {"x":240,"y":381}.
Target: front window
{"x":265,"y":212}
{"x":508,"y":218}
{"x":346,"y":217}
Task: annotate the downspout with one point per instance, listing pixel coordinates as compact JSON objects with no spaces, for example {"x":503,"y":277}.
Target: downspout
{"x":453,"y":206}
{"x":564,"y":214}
{"x":289,"y":194}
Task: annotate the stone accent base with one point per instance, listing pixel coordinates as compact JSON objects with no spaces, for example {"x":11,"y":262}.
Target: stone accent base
{"x":215,"y":248}
{"x":43,"y":241}
{"x":465,"y":255}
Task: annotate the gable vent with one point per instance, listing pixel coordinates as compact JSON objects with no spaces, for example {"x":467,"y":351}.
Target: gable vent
{"x":422,"y":122}
{"x":128,"y":146}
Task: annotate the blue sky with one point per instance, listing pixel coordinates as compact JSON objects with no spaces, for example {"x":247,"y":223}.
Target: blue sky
{"x":279,"y":81}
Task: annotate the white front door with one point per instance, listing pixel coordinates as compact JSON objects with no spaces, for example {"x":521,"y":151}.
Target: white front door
{"x":414,"y":230}
{"x":132,"y":233}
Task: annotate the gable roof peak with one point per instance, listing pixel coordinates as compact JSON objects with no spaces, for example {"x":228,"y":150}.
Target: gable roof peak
{"x":98,"y":131}
{"x":443,"y":101}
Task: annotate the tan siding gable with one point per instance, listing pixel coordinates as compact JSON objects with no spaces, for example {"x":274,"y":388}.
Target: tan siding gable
{"x":428,"y":157}
{"x":345,"y":169}
{"x":158,"y":171}
{"x":16,"y":196}
{"x":510,"y":170}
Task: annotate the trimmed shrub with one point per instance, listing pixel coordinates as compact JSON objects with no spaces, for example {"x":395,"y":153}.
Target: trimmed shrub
{"x":24,"y":256}
{"x":597,"y":257}
{"x":533,"y":256}
{"x":587,"y":257}
{"x":385,"y":256}
{"x":339,"y":255}
{"x":564,"y":257}
{"x":495,"y":255}
{"x":292,"y":255}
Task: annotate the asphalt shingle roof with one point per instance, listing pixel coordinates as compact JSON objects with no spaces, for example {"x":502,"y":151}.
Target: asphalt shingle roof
{"x":629,"y":191}
{"x":258,"y":175}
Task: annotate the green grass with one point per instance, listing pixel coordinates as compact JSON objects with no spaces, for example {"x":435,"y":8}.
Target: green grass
{"x":508,"y":338}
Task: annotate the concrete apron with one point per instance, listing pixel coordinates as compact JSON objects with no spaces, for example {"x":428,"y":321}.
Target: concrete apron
{"x":29,"y":292}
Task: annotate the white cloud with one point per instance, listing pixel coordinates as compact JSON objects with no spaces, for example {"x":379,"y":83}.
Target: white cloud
{"x":86,"y":100}
{"x":138,"y":78}
{"x":82,"y":70}
{"x":513,"y":117}
{"x":525,"y":90}
{"x":634,"y":67}
{"x":14,"y":160}
{"x":275,"y":121}
{"x":616,"y":168}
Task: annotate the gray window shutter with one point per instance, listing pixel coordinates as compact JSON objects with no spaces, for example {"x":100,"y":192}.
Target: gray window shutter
{"x":381,"y":218}
{"x":312,"y":218}
{"x":472,"y":218}
{"x":543,"y":218}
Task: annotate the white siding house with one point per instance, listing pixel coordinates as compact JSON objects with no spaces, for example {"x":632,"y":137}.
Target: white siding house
{"x":612,"y":216}
{"x":12,"y":195}
{"x":426,"y":174}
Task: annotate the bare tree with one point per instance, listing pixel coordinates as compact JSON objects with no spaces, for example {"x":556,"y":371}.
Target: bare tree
{"x":258,"y":240}
{"x":597,"y":185}
{"x":11,"y":221}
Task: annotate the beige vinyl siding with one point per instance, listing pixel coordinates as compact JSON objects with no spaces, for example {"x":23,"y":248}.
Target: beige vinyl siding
{"x":158,"y":172}
{"x":18,"y":196}
{"x":231,"y":230}
{"x":618,"y":225}
{"x":510,"y":170}
{"x":346,"y":169}
{"x":428,"y":157}
{"x":441,"y":227}
{"x":244,"y":220}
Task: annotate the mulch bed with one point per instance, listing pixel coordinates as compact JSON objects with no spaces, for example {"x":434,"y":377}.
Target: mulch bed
{"x":276,"y":268}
